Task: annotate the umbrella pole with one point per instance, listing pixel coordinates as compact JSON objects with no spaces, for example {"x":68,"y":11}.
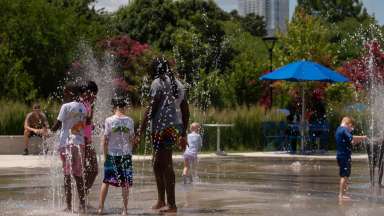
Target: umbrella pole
{"x":302,"y":118}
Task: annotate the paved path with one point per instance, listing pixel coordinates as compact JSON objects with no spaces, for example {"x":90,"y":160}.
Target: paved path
{"x":36,"y":161}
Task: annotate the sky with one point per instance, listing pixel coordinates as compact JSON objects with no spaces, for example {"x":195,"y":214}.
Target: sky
{"x":375,"y":7}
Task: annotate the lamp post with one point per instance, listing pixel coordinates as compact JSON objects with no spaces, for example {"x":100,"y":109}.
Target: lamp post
{"x":270,"y":42}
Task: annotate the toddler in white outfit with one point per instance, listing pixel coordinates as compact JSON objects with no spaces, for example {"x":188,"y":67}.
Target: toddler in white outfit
{"x":190,"y":155}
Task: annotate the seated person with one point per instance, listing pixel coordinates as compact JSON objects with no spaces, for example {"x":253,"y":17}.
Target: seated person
{"x":318,"y":121}
{"x":293,"y":120}
{"x":35,"y":124}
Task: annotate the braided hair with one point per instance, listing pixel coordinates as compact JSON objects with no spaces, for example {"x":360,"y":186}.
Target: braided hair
{"x":160,"y":68}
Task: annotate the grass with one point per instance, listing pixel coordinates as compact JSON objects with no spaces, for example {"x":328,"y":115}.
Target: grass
{"x":246,"y":134}
{"x":12,"y":117}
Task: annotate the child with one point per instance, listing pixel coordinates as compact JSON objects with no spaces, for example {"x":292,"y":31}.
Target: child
{"x":71,"y":120}
{"x":117,"y":144}
{"x":90,"y":161}
{"x":190,"y":154}
{"x":165,"y":130}
{"x":344,"y":142}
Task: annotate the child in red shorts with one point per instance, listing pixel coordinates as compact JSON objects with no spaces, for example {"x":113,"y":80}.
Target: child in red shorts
{"x":90,"y":161}
{"x":71,"y":120}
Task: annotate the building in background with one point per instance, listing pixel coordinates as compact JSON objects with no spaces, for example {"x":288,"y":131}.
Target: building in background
{"x":275,"y":12}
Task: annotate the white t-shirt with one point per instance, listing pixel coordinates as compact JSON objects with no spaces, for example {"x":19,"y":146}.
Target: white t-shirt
{"x":72,"y":116}
{"x":194,"y":144}
{"x":119,"y":132}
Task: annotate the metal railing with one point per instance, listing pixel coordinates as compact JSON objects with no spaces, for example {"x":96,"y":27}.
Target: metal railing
{"x":218,"y":136}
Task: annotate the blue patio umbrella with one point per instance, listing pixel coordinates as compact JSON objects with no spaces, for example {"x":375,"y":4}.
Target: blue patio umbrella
{"x":303,"y":71}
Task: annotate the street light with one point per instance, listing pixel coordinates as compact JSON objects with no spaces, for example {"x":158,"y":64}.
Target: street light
{"x":270,"y":42}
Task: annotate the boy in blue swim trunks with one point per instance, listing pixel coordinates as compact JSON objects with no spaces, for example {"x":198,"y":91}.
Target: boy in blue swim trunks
{"x":344,"y":142}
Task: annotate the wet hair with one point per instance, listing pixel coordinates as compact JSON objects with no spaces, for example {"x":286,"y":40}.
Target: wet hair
{"x":74,"y":89}
{"x":91,"y":86}
{"x":120,"y":99}
{"x":88,"y":87}
{"x":119,"y":102}
{"x":160,"y":67}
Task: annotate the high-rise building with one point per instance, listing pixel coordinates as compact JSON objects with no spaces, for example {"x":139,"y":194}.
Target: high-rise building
{"x":275,"y":12}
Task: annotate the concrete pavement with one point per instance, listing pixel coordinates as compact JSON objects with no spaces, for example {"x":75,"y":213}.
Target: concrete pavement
{"x":41,"y":161}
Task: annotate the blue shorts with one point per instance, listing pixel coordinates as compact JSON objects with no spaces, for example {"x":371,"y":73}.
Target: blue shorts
{"x":344,"y":166}
{"x":118,"y":171}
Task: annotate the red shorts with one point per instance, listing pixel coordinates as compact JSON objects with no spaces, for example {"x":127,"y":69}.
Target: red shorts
{"x":72,"y":157}
{"x":90,"y":159}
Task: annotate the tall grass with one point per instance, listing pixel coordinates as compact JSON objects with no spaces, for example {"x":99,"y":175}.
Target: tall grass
{"x":12,"y":117}
{"x":246,"y":134}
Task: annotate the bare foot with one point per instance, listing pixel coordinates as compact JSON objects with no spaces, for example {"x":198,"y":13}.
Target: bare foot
{"x":82,"y":210}
{"x":158,"y":205}
{"x":344,"y":198}
{"x":169,"y":210}
{"x":68,"y":209}
{"x":100,"y":211}
{"x":124,"y":212}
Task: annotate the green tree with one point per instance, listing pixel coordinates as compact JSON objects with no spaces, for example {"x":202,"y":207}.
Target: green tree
{"x":211,"y":90}
{"x":204,"y":16}
{"x":350,"y":35}
{"x":308,"y":37}
{"x":148,"y":21}
{"x":246,"y":66}
{"x":15,"y":82}
{"x":254,"y":24}
{"x":189,"y":53}
{"x":176,"y":26}
{"x":334,"y":10}
{"x":38,"y":38}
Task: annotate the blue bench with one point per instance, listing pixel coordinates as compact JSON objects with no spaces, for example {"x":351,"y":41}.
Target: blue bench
{"x":280,"y":135}
{"x":274,"y":135}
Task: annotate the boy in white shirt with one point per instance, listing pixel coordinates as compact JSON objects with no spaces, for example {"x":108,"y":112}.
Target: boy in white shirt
{"x":190,"y":155}
{"x":71,"y":120}
{"x":117,"y":144}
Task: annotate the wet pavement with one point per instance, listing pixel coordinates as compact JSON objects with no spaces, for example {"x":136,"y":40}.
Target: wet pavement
{"x":225,"y":186}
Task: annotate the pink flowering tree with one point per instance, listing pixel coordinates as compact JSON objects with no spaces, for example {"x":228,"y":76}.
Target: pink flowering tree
{"x":368,"y":67}
{"x":133,"y":61}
